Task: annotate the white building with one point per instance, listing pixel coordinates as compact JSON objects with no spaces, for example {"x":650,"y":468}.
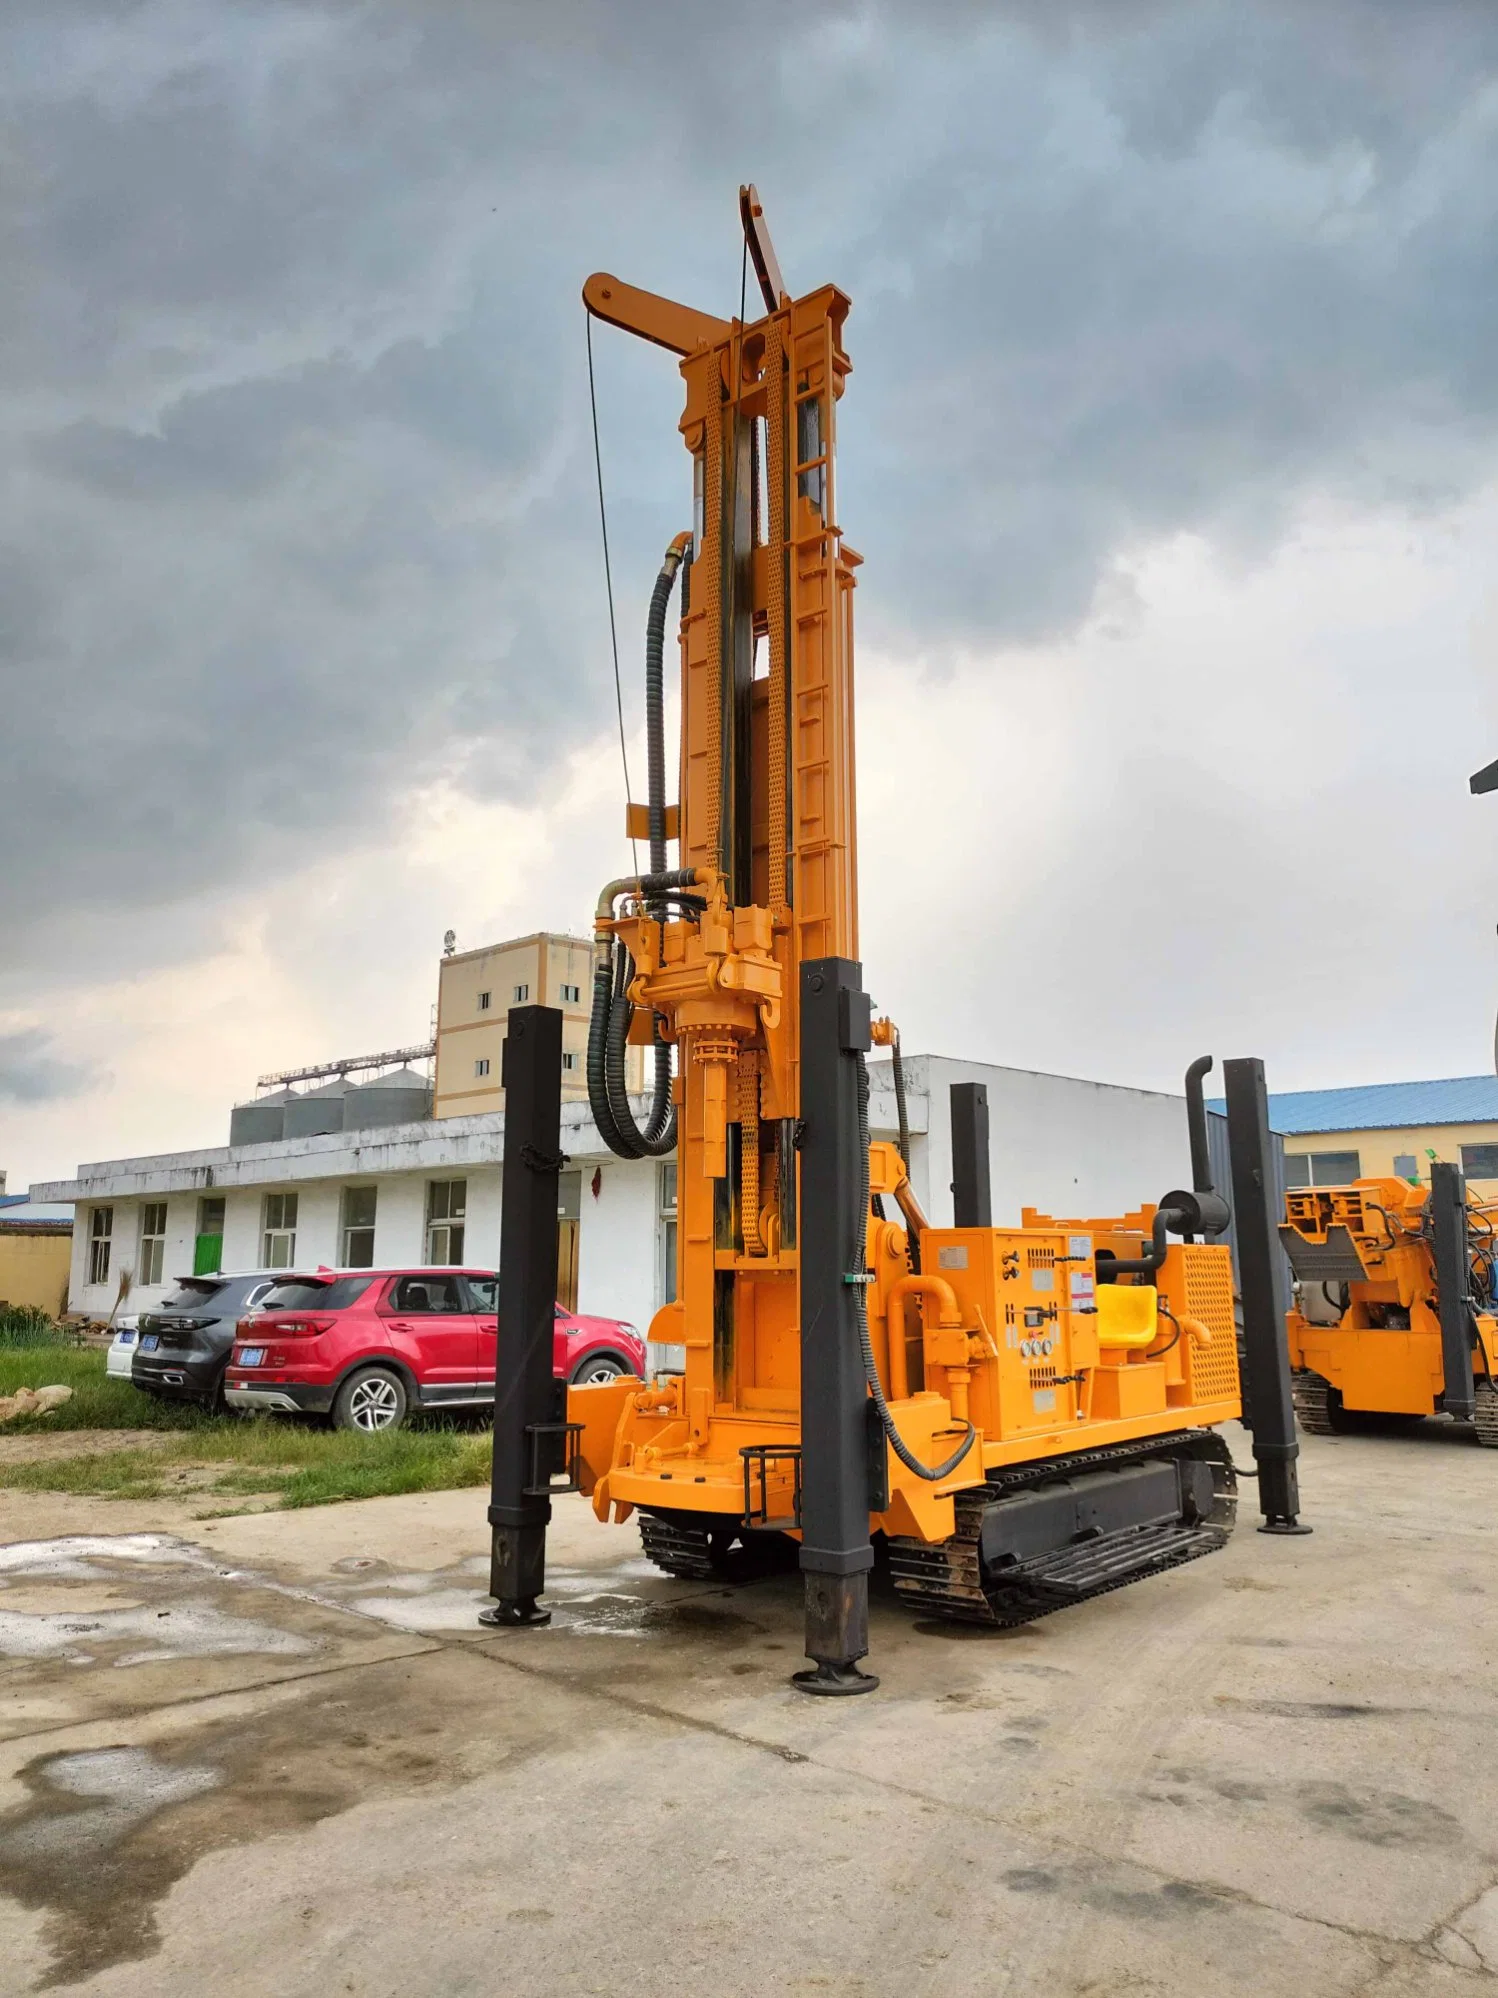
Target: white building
{"x":429,"y":1192}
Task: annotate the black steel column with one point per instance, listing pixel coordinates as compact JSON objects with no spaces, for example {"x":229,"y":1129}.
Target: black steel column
{"x":1266,"y":1349}
{"x":524,"y":1381}
{"x":972,"y":1194}
{"x":1448,"y":1227}
{"x":835,"y":1551}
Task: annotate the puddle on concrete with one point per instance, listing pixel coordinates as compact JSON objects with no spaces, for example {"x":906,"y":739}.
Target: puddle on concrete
{"x":67,"y":1849}
{"x":75,"y":1558}
{"x":117,"y":1787}
{"x":431,"y":1610}
{"x":105,"y":1835}
{"x":186,"y":1630}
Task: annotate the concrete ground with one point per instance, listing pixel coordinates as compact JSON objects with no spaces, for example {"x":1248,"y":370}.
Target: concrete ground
{"x":275,"y":1754}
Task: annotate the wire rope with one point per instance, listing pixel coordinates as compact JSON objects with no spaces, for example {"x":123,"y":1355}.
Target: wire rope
{"x":608,"y":581}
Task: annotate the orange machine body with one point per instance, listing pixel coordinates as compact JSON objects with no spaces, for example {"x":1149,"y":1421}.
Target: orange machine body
{"x":1372,"y":1339}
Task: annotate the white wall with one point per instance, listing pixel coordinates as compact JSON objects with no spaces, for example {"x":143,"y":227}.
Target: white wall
{"x":616,"y":1252}
{"x":98,"y":1299}
{"x":481,"y":1240}
{"x":400,"y":1219}
{"x":242,"y":1212}
{"x":1070,"y":1148}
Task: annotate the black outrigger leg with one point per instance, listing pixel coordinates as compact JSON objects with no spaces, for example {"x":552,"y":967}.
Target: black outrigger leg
{"x":1452,"y":1252}
{"x":529,"y":1438}
{"x":835,"y":1552}
{"x":1266,"y":1352}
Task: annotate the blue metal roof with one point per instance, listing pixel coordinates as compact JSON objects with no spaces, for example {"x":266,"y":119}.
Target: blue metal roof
{"x":1385,"y":1106}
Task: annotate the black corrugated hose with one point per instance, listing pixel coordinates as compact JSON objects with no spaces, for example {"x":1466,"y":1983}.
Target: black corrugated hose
{"x":608,"y":1036}
{"x":608,"y":1029}
{"x":858,"y":1278}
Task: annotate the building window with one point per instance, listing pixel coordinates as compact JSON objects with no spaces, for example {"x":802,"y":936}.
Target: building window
{"x":152,"y":1241}
{"x":447,"y":1205}
{"x":481,"y":1066}
{"x":522,"y":993}
{"x":278,"y":1235}
{"x":1407,"y":1166}
{"x":569,"y":1060}
{"x":668,"y":1233}
{"x":1480,"y":1161}
{"x":484,"y":999}
{"x":572,"y":995}
{"x":100,"y":1229}
{"x":1322,"y":1168}
{"x":358,"y":1227}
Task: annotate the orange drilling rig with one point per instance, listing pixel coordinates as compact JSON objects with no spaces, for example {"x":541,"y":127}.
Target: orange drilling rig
{"x":1025,"y":1415}
{"x":1395,"y":1318}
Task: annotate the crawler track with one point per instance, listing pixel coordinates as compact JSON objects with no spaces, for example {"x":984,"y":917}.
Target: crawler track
{"x":683,"y":1548}
{"x":1313,"y":1404}
{"x":1485,"y":1417}
{"x":946,"y":1579}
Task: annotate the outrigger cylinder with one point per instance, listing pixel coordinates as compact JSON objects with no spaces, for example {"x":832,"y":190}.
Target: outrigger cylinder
{"x":527,"y":1431}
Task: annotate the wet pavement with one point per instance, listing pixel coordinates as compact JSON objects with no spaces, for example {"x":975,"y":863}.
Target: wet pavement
{"x":277,"y":1753}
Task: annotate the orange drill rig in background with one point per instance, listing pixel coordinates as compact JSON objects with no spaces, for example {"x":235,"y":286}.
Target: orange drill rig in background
{"x":1395,"y":1315}
{"x":1026,"y":1413}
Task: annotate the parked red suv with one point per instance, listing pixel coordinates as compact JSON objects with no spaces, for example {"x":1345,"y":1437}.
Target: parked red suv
{"x":368,"y":1346}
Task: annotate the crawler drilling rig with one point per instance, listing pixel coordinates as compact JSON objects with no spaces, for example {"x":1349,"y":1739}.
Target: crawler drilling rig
{"x":1024,"y":1413}
{"x":1395,"y":1318}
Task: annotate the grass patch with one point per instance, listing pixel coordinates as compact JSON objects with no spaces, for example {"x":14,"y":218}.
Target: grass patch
{"x":297,"y":1463}
{"x":98,"y":1402}
{"x":410,"y":1461}
{"x":27,"y":1325}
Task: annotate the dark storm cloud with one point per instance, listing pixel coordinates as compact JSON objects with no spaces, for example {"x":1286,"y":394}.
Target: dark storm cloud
{"x":298,"y":507}
{"x":31,"y":1073}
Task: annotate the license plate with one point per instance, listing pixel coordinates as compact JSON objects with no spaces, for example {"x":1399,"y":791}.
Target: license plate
{"x":150,"y":1342}
{"x":251,"y":1356}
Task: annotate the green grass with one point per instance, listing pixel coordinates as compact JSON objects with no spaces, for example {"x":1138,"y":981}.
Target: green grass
{"x":296,"y":1463}
{"x":98,"y":1402}
{"x":28,"y":1325}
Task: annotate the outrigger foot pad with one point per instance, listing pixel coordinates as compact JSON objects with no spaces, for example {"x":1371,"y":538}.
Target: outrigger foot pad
{"x":1285,"y":1526}
{"x":834,"y":1681}
{"x":521,"y":1614}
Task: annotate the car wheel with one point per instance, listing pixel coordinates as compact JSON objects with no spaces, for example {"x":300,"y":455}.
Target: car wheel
{"x":372,"y":1400}
{"x":600,"y":1367}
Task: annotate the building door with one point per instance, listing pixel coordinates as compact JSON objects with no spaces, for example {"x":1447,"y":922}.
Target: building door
{"x":208,"y":1246}
{"x":567,"y":1265}
{"x":569,"y":1201}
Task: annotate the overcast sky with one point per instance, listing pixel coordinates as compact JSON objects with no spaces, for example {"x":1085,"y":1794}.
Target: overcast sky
{"x":1171,"y":445}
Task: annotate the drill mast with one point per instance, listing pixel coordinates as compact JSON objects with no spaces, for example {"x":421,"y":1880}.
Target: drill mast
{"x":768,"y":872}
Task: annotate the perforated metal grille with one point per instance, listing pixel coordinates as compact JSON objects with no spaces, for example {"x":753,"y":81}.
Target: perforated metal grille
{"x":1209,"y":1297}
{"x":1040,"y":1259}
{"x":1043,"y":1377}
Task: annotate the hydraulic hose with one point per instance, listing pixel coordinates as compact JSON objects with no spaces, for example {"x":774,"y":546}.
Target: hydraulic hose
{"x":902,"y":1118}
{"x":608,"y":1028}
{"x":655,"y":720}
{"x":858,"y":1277}
{"x":902,"y":1115}
{"x":608,"y":1041}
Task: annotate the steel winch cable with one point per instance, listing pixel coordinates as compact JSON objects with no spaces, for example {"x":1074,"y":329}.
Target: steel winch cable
{"x":859,"y":1278}
{"x":608,"y":573}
